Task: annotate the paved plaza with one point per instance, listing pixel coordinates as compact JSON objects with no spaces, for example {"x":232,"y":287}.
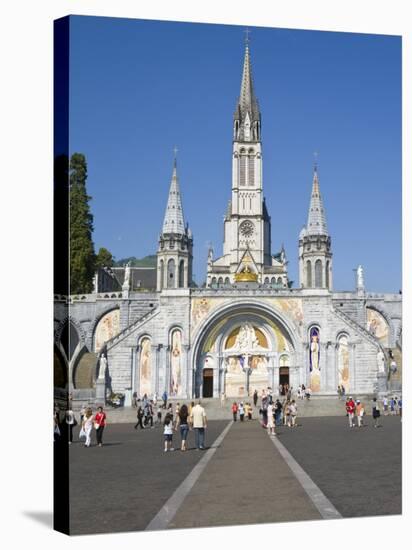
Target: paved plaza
{"x":319,"y":470}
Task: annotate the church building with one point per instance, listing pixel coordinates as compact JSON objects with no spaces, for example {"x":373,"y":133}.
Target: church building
{"x":248,"y":328}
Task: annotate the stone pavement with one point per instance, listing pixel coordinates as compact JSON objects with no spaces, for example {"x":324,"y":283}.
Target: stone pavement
{"x":123,"y":485}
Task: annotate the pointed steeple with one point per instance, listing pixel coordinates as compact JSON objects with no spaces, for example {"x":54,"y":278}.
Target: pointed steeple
{"x":174,"y":220}
{"x":247,"y":114}
{"x":316,"y":218}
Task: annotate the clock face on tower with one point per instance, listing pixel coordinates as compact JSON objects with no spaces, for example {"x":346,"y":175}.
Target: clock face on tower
{"x":246,"y":229}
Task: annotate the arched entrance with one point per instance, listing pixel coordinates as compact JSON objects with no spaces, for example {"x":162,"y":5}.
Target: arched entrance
{"x":237,"y":350}
{"x":207,"y":383}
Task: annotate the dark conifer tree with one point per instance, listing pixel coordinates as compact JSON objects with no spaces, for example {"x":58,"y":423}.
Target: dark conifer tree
{"x":104,"y":258}
{"x":82,"y":257}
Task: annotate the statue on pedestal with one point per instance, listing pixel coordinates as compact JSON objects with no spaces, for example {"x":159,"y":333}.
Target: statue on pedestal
{"x":102,"y":367}
{"x":360,"y":282}
{"x":126,"y":282}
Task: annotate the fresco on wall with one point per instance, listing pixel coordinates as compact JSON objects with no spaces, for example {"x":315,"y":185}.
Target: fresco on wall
{"x":292,"y":307}
{"x":145,"y":362}
{"x":343,"y":363}
{"x":108,"y":326}
{"x":377,"y":326}
{"x":314,"y":359}
{"x":235,"y":384}
{"x":176,"y":364}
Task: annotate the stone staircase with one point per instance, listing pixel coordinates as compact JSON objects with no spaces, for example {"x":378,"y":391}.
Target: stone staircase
{"x":316,"y":406}
{"x":395,"y":380}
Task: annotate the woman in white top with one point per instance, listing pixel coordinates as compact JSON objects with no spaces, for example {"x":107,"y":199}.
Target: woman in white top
{"x":271,"y":420}
{"x":87,"y":426}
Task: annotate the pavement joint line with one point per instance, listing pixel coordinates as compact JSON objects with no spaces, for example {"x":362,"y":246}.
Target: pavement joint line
{"x":322,"y":503}
{"x":170,"y":508}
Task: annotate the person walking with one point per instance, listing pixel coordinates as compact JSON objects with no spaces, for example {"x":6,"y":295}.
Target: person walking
{"x":270,"y":425}
{"x":255,"y":398}
{"x":140,"y":415}
{"x":241,"y":412}
{"x":385,"y":406}
{"x":392,"y":406}
{"x":234,"y":411}
{"x":293,"y":408}
{"x":360,"y":411}
{"x":164,"y":397}
{"x":264,"y":409}
{"x":87,"y":426}
{"x":350,"y":410}
{"x":182,"y":421}
{"x":278,"y":413}
{"x":199,"y":422}
{"x":400,"y":407}
{"x":249,"y":411}
{"x":375,"y":413}
{"x":71,"y":423}
{"x":168,"y":433}
{"x":99,"y":424}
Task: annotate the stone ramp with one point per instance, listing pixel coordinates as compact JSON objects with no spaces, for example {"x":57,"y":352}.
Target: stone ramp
{"x":246,"y":481}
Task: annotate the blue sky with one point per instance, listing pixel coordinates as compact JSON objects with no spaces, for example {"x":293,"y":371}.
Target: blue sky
{"x":138,"y":88}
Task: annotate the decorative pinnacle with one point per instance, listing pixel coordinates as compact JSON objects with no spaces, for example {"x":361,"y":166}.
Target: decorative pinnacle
{"x":175,"y":150}
{"x":247,"y":39}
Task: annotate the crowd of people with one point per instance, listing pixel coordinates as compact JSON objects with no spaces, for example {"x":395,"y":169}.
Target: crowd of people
{"x":63,"y":425}
{"x":154,"y":412}
{"x":355,"y":409}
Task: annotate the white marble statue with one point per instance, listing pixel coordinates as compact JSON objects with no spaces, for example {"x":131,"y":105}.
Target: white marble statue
{"x":246,"y":339}
{"x":359,"y":277}
{"x":102,"y":367}
{"x":380,"y":359}
{"x":126,"y":282}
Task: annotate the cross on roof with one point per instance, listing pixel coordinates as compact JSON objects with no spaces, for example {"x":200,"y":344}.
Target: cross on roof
{"x":247,"y":32}
{"x":175,"y":150}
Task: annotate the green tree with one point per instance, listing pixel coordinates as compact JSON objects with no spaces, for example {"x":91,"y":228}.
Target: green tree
{"x":104,"y":258}
{"x":82,"y":257}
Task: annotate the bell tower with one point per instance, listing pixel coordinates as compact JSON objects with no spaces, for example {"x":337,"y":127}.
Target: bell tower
{"x":315,"y":246}
{"x":175,"y":251}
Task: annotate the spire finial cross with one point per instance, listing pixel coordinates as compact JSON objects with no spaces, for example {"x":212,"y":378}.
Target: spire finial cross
{"x":175,"y":150}
{"x":315,"y":161}
{"x":247,"y":32}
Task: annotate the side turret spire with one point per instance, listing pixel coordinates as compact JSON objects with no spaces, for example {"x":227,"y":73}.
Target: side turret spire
{"x":174,"y":220}
{"x":316,"y":218}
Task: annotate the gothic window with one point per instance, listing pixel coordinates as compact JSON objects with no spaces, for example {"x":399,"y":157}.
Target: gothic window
{"x":279,"y":280}
{"x":318,"y":274}
{"x":251,"y":169}
{"x":273,"y":281}
{"x":181,"y":274}
{"x":171,"y":244}
{"x":327,"y":274}
{"x":220,"y":281}
{"x":162,"y":269}
{"x":227,"y":281}
{"x":213,"y":282}
{"x":171,"y":267}
{"x":242,"y":168}
{"x":266,"y":281}
{"x":309,"y":274}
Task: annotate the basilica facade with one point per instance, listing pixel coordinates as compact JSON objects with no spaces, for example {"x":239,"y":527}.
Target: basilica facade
{"x":247,"y":328}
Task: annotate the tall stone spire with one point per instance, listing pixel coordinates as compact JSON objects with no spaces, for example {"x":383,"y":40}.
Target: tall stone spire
{"x":174,"y":220}
{"x":247,"y":114}
{"x":316,"y":218}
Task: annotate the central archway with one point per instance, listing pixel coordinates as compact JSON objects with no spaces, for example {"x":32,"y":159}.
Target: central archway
{"x":241,"y":345}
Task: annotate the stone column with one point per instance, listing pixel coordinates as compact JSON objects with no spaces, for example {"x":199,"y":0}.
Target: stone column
{"x":185,"y":371}
{"x":162,"y":370}
{"x":166,"y":384}
{"x":137,"y":370}
{"x":352,"y":368}
{"x":153,"y":366}
{"x":305,"y":365}
{"x":323,"y":368}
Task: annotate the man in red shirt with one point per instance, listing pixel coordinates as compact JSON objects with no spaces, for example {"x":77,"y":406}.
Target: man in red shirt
{"x":350,"y":409}
{"x":99,"y":424}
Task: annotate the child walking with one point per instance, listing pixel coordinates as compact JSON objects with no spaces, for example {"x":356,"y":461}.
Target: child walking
{"x":168,"y":433}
